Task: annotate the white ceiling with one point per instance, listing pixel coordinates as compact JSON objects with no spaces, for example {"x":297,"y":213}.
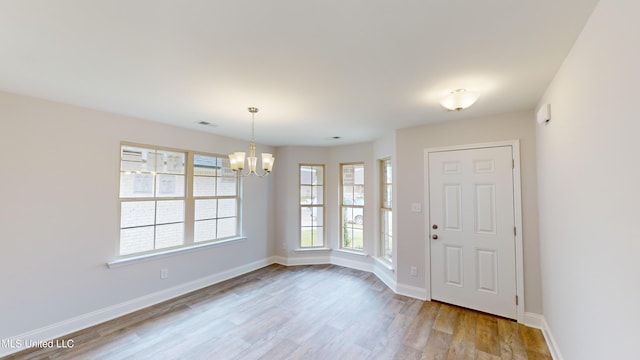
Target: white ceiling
{"x":316,"y":68}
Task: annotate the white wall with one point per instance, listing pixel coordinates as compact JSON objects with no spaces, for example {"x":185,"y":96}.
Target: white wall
{"x":588,"y":176}
{"x":411,"y":143}
{"x":59,"y":221}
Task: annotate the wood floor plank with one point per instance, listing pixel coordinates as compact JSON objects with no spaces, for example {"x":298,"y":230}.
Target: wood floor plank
{"x":418,"y":333}
{"x":511,"y":343}
{"x":534,"y":341}
{"x":437,"y":347}
{"x":301,"y":312}
{"x":463,"y":340}
{"x":446,"y":319}
{"x":487,"y":339}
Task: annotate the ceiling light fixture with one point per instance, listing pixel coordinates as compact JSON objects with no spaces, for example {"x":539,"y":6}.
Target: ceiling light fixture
{"x":459,"y":99}
{"x":237,"y":158}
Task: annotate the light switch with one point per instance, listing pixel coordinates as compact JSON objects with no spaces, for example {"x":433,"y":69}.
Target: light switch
{"x":416,"y":207}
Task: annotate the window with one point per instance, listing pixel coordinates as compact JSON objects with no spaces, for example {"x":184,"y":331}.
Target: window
{"x":216,"y":202}
{"x":157,"y":211}
{"x":386,"y":222}
{"x":311,"y":206}
{"x":352,"y":206}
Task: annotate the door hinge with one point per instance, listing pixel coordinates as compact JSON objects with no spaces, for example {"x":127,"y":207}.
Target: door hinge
{"x":513,"y":163}
{"x":516,"y":300}
{"x":515,"y":233}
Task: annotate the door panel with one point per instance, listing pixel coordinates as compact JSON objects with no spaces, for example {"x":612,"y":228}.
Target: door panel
{"x":471,"y":205}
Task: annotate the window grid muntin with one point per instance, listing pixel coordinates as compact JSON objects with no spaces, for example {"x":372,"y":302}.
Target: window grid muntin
{"x":138,"y":160}
{"x":187,"y":198}
{"x":218,"y":170}
{"x":306,"y":181}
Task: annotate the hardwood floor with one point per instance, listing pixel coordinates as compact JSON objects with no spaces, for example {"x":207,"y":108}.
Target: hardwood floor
{"x":302,"y":312}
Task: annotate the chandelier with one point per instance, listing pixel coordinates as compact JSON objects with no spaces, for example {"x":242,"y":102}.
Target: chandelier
{"x":236,"y":159}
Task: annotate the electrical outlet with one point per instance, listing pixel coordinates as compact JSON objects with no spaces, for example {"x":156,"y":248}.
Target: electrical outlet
{"x":414,"y":271}
{"x":416,"y":207}
{"x":164,"y":273}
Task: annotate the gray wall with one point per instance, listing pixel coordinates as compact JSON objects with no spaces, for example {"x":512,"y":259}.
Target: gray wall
{"x":59,"y":223}
{"x":410,"y":181}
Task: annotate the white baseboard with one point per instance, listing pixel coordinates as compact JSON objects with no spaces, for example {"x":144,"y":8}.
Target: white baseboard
{"x":300,"y":260}
{"x":84,"y":321}
{"x":412,"y":291}
{"x":551,"y":342}
{"x":352,"y":264}
{"x":383,"y":274}
{"x":533,"y":320}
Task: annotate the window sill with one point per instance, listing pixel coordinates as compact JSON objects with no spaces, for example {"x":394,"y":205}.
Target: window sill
{"x":312,"y":249}
{"x":352,"y":252}
{"x":147,"y":257}
{"x":384,"y":263}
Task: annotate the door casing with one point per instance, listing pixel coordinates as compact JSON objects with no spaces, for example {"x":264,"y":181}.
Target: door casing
{"x":517,"y":212}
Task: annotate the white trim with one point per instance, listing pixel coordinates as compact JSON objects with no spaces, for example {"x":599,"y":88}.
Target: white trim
{"x":517,"y":199}
{"x":412,"y":291}
{"x":384,"y":263}
{"x":302,"y":260}
{"x":84,"y":321}
{"x":384,"y":274}
{"x":353,"y":264}
{"x":302,"y":250}
{"x":352,"y":252}
{"x":533,"y":320}
{"x":551,"y":342}
{"x":158,"y":255}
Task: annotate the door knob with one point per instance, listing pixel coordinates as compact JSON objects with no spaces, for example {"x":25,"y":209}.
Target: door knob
{"x":434,"y":237}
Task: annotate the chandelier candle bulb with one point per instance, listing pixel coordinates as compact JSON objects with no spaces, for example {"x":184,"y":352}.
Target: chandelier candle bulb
{"x":267,"y":162}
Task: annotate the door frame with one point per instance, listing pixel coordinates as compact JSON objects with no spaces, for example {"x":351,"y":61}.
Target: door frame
{"x":517,"y":212}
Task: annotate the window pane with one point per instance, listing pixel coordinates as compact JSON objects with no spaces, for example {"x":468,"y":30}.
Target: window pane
{"x":306,"y":216}
{"x":206,"y":209}
{"x":318,"y":192}
{"x":318,"y":239}
{"x":317,"y":214}
{"x":347,"y":195}
{"x":204,"y":230}
{"x":170,"y":211}
{"x":206,"y":165}
{"x":169,"y":235}
{"x":136,"y":240}
{"x":227,"y":227}
{"x":136,"y":185}
{"x":226,"y":207}
{"x":170,"y":162}
{"x":358,"y":239}
{"x":306,"y":194}
{"x":226,"y":186}
{"x":170,"y":185}
{"x":318,"y":175}
{"x":387,"y":200}
{"x":358,"y":174}
{"x":204,"y":186}
{"x":137,"y":213}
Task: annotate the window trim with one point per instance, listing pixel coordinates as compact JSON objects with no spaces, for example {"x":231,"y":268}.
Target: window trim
{"x":354,"y":206}
{"x":322,"y":206}
{"x":189,"y":211}
{"x":382,"y":243}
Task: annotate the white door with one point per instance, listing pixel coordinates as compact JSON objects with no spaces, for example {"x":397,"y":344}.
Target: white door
{"x":472,"y":224}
